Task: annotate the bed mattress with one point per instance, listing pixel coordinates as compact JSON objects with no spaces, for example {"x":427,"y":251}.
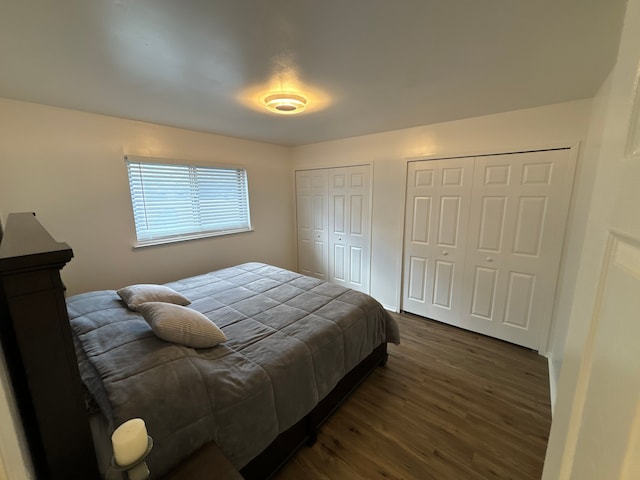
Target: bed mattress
{"x":291,"y":338}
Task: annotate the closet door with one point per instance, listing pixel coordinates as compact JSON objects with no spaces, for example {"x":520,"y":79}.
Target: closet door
{"x":350,"y":226}
{"x":312,"y":203}
{"x":518,"y":214}
{"x":437,"y":209}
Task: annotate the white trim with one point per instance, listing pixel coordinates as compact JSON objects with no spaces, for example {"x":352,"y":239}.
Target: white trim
{"x":586,"y":361}
{"x":632,"y":148}
{"x":294,"y":200}
{"x":175,"y":161}
{"x":544,"y":340}
{"x":553,"y":385}
{"x":184,"y":238}
{"x":337,"y":165}
{"x":495,"y":151}
{"x":400,"y":292}
{"x":391,"y":308}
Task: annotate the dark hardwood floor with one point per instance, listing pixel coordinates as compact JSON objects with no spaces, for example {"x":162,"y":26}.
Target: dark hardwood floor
{"x":449,"y":404}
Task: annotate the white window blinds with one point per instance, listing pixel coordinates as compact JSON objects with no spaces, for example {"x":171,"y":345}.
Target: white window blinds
{"x":174,"y":202}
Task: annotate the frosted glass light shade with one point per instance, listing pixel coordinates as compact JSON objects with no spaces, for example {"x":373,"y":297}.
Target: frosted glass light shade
{"x":285,"y":103}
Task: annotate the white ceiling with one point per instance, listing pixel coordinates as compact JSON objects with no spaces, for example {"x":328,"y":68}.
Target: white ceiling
{"x":368,"y":65}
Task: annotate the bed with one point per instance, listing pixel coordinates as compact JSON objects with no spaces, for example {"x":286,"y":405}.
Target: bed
{"x":296,"y":347}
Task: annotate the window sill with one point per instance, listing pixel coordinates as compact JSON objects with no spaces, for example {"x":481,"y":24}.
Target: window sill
{"x":184,"y":238}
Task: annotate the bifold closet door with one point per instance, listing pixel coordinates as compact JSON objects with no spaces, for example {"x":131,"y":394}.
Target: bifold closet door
{"x":517,"y":221}
{"x":350,"y":226}
{"x":437,"y":212}
{"x":483,"y":246}
{"x":312,"y":211}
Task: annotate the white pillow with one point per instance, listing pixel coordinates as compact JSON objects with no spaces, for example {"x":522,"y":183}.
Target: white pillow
{"x":177,"y":324}
{"x":135,"y":295}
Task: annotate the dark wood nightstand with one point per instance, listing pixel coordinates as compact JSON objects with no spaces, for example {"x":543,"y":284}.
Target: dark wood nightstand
{"x":207,"y":463}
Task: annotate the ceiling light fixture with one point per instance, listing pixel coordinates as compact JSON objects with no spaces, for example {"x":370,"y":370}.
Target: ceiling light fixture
{"x":285,"y":103}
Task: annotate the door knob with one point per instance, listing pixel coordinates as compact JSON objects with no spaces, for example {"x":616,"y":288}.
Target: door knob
{"x":489,"y":259}
{"x":318,"y":236}
{"x":340,"y":239}
{"x":445,"y":253}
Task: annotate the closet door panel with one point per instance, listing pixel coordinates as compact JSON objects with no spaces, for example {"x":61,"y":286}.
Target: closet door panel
{"x":484,"y":289}
{"x":319,"y":213}
{"x":529,"y":227}
{"x":359,"y":181}
{"x":443,"y":284}
{"x":339,"y":215}
{"x":519,"y":300}
{"x":357,"y":210}
{"x":491,"y":227}
{"x":320,"y":258}
{"x":449,"y":221}
{"x":454,"y":182}
{"x":338,"y":221}
{"x":417,"y":279}
{"x":438,"y":195}
{"x":305,"y":256}
{"x":355,"y":263}
{"x":312,"y":222}
{"x":516,"y":229}
{"x":304,"y":219}
{"x":419,"y":221}
{"x":338,"y":263}
{"x":350,"y":220}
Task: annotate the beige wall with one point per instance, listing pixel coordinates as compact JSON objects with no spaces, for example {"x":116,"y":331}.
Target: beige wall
{"x":560,"y":124}
{"x":68,"y":167}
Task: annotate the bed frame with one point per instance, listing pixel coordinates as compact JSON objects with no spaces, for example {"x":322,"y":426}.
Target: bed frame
{"x":40,"y":357}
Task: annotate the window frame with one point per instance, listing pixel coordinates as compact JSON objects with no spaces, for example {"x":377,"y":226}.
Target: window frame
{"x":195,"y":233}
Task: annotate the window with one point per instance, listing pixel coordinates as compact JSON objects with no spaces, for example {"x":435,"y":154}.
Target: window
{"x":173,"y":202}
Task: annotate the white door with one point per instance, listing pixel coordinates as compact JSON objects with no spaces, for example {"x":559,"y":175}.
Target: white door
{"x":350,"y":226}
{"x":596,"y":427}
{"x":312,"y":222}
{"x":517,"y":220}
{"x":437,"y":212}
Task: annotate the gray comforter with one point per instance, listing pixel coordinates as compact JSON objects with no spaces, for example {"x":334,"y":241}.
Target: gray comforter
{"x":291,"y":338}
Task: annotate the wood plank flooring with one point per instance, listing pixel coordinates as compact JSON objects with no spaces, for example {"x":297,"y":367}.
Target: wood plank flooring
{"x":449,"y":404}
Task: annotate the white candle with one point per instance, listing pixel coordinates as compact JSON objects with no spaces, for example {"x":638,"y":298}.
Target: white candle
{"x":129,"y":442}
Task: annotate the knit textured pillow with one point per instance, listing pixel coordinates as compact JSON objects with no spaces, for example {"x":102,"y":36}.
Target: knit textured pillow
{"x":177,"y":324}
{"x":135,"y":295}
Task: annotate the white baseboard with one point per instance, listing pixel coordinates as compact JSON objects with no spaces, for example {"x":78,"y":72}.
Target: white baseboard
{"x":553,"y":384}
{"x":391,"y":308}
